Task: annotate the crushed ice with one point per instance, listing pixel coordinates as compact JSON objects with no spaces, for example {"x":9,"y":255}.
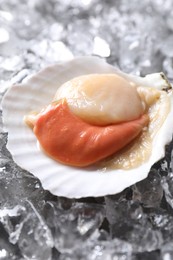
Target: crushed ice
{"x":135,"y":224}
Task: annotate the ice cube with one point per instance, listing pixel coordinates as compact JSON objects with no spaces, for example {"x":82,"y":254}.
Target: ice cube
{"x":72,"y":226}
{"x":27,"y":229}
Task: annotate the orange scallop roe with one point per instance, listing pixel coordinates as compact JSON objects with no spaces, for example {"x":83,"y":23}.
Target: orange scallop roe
{"x":72,"y":141}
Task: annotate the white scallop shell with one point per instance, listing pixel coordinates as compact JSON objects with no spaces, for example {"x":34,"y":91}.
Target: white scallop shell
{"x":36,"y":92}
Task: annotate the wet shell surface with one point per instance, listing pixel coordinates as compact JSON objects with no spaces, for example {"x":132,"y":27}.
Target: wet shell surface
{"x":36,"y":92}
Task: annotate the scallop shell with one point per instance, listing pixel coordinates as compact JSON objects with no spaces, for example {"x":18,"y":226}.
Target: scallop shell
{"x":36,"y":92}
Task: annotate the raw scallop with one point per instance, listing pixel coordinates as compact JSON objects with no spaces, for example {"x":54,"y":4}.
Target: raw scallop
{"x":38,"y":91}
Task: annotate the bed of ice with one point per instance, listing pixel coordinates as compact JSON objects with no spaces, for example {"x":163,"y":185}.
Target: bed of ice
{"x":136,"y":36}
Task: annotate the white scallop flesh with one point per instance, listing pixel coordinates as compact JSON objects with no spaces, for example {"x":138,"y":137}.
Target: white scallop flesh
{"x":37,"y":91}
{"x":102,"y":99}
